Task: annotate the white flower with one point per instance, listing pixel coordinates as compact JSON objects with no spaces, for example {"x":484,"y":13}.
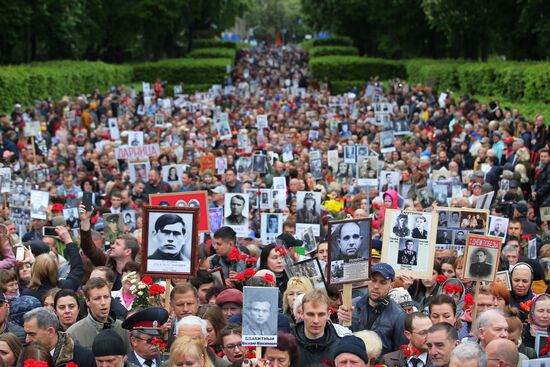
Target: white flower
{"x":140,"y":293}
{"x":132,"y":288}
{"x":142,"y":286}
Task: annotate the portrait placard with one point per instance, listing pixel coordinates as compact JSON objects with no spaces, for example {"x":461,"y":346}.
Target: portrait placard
{"x":191,"y":199}
{"x":389,"y":180}
{"x":349,"y":153}
{"x":387,"y":141}
{"x":271,"y":226}
{"x":170,"y":241}
{"x":32,"y":128}
{"x":541,"y":338}
{"x":216,"y":218}
{"x":135,"y":138}
{"x":349,"y":251}
{"x":409,"y":242}
{"x":172,"y":173}
{"x":129,"y":218}
{"x":367,"y":171}
{"x":310,"y":245}
{"x":236,"y":213}
{"x":39,"y":204}
{"x":504,"y":278}
{"x":139,"y":170}
{"x":113,"y":128}
{"x":481,"y":257}
{"x":454,"y":224}
{"x":207,"y":162}
{"x":498,"y":226}
{"x":308,"y":204}
{"x":5,"y":179}
{"x":113,"y":226}
{"x":71,"y":217}
{"x":310,"y":269}
{"x":259,"y":163}
{"x":260,"y":316}
{"x":545,"y":213}
{"x":217,"y":274}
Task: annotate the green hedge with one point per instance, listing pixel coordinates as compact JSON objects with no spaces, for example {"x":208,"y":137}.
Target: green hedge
{"x":343,"y":86}
{"x":24,"y":83}
{"x":354,"y":68}
{"x":201,"y":53}
{"x":212,"y":43}
{"x":332,"y":50}
{"x":329,"y":41}
{"x":188,"y":71}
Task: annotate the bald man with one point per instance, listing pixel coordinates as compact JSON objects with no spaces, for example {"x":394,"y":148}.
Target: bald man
{"x":502,"y":353}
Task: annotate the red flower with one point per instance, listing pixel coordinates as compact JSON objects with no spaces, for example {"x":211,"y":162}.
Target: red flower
{"x":243,"y":257}
{"x":234,"y":254}
{"x":452,"y":289}
{"x":34,"y":363}
{"x":440,"y":279}
{"x":71,"y":364}
{"x":251,"y":260}
{"x":282,"y":252}
{"x":156,"y":289}
{"x":330,"y":310}
{"x":249,"y":273}
{"x":240,"y":277}
{"x":147,"y":280}
{"x":269,"y":278}
{"x":250,"y":355}
{"x":469,"y":300}
{"x":525,"y":306}
{"x":156,"y":341}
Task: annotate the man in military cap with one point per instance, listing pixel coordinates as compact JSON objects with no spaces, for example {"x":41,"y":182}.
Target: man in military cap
{"x":145,"y":336}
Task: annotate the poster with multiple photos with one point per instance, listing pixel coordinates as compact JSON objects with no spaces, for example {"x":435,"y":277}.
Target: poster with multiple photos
{"x":455,"y":224}
{"x":481,"y":257}
{"x":409,"y":242}
{"x":349,"y":251}
{"x":310,"y":269}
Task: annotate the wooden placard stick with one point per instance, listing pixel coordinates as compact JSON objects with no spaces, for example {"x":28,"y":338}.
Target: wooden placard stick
{"x":346,"y":300}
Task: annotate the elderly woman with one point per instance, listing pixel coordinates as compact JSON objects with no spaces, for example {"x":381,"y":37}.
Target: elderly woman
{"x":189,"y":352}
{"x":522,"y":278}
{"x":285,"y":354}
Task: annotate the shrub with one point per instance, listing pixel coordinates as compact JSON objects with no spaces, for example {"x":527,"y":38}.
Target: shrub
{"x":354,"y":68}
{"x":189,"y":71}
{"x":23,"y":83}
{"x":343,"y":86}
{"x":212,"y":43}
{"x":332,"y":50}
{"x":201,"y":53}
{"x":329,"y":41}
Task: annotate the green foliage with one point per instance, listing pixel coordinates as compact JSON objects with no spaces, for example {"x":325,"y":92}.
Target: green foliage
{"x":22,"y":84}
{"x":332,"y":50}
{"x":332,"y":41}
{"x":189,"y":71}
{"x":212,"y":43}
{"x":208,"y":53}
{"x":354,"y":68}
{"x":343,"y":86}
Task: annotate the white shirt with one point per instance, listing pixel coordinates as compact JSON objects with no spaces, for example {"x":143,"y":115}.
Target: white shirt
{"x":142,"y":361}
{"x":423,"y":358}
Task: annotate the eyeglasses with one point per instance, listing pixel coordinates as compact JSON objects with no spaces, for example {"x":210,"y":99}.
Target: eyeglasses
{"x":421,"y":333}
{"x":233,"y":346}
{"x":148,"y":341}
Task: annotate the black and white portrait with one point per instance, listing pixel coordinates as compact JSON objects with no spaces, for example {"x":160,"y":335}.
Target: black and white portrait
{"x":244,"y":164}
{"x":139,"y":170}
{"x":362,"y":151}
{"x":408,"y":252}
{"x":344,"y":130}
{"x":310,"y":269}
{"x":71,"y":217}
{"x":389,"y":180}
{"x":313,"y":135}
{"x":260,"y":316}
{"x":425,"y":196}
{"x":39,"y":204}
{"x":172,"y":174}
{"x":129,"y":217}
{"x":400,"y":127}
{"x":169,"y":242}
{"x":308,"y":207}
{"x":480,"y":263}
{"x":460,"y":238}
{"x":271,"y":226}
{"x":454,"y":219}
{"x":253,"y":196}
{"x":316,"y":168}
{"x":135,"y":138}
{"x":288,"y":155}
{"x":236,"y":212}
{"x":159,"y":120}
{"x":310,"y":245}
{"x":223,"y":130}
{"x":498,"y":226}
{"x":420,"y":228}
{"x":349,"y":248}
{"x":113,"y":128}
{"x":401,"y":226}
{"x":349,"y":153}
{"x":343,"y":171}
{"x":387,"y":141}
{"x":259,"y":163}
{"x":19,"y":194}
{"x":5,"y":179}
{"x":444,"y":237}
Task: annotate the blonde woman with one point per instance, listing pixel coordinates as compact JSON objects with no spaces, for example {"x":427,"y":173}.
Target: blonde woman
{"x":189,"y":352}
{"x":295,"y":287}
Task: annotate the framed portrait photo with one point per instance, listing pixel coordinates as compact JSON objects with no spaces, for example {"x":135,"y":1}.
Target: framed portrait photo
{"x":260,"y":316}
{"x":409,"y":242}
{"x":541,"y":338}
{"x":481,"y":257}
{"x":311,"y":269}
{"x":349,"y":251}
{"x":504,"y":278}
{"x":170,"y":241}
{"x":217,"y":274}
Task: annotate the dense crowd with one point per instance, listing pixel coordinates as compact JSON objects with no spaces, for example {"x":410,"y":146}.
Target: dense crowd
{"x":282,"y":158}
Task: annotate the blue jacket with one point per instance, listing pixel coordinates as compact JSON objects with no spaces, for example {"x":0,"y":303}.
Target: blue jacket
{"x":389,"y":325}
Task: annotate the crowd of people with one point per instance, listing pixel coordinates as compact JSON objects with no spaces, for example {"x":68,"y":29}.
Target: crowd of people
{"x":70,"y":291}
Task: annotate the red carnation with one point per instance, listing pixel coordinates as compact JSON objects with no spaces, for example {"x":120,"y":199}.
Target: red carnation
{"x":440,"y":279}
{"x":250,"y":355}
{"x":249,"y":273}
{"x":240,"y":277}
{"x":251,"y":260}
{"x":34,"y":363}
{"x":269,"y":278}
{"x":71,"y":196}
{"x":243,"y":257}
{"x":156,"y":289}
{"x":71,"y":364}
{"x":147,"y":280}
{"x":469,"y":300}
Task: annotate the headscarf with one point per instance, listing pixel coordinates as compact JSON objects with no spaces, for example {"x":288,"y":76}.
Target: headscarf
{"x":532,"y":321}
{"x":515,"y":300}
{"x":394,"y":205}
{"x":454,"y":282}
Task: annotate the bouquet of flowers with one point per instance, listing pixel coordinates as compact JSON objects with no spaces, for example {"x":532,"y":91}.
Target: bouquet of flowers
{"x":146,"y":293}
{"x":334,"y":205}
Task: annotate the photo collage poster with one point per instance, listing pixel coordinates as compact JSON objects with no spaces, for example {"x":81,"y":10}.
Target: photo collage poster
{"x":454,"y":225}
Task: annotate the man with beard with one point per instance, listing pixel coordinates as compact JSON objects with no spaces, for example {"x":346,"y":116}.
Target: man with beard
{"x":377,"y":312}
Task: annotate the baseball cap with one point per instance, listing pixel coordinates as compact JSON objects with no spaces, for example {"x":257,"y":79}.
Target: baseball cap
{"x":383,"y":269}
{"x":57,"y":207}
{"x":289,"y":240}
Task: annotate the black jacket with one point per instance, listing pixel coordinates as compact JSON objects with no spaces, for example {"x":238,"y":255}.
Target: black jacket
{"x":542,"y":185}
{"x":389,"y":325}
{"x":315,"y":351}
